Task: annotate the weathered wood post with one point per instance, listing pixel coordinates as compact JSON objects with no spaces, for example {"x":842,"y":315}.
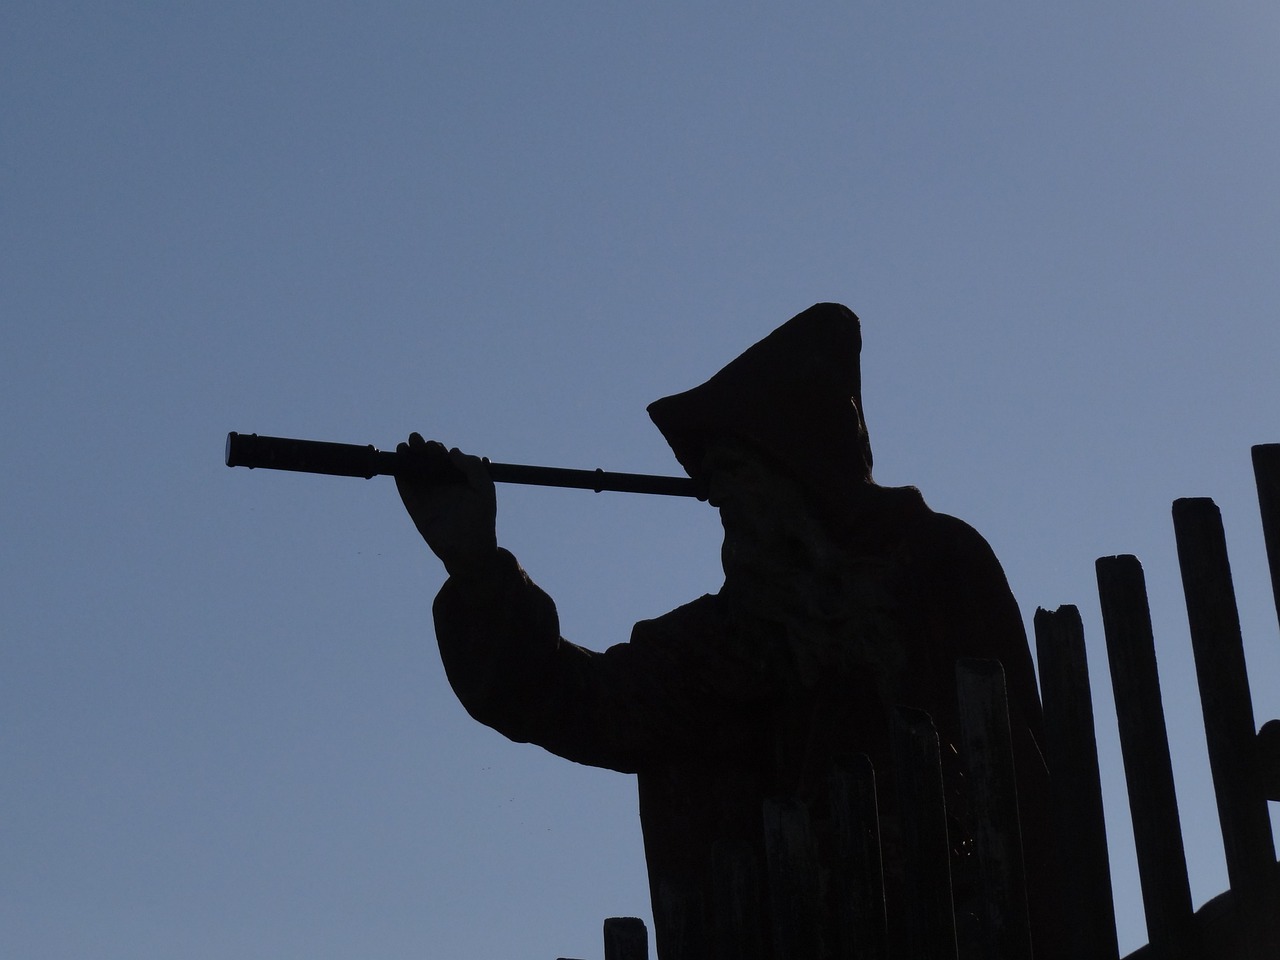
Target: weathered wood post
{"x":1144,"y":743}
{"x":625,"y":938}
{"x":793,"y":885}
{"x":862,"y":930}
{"x":1224,"y":691}
{"x":993,"y":793}
{"x":735,"y":900}
{"x":928,"y":911}
{"x":1079,"y":825}
{"x":1266,"y":471}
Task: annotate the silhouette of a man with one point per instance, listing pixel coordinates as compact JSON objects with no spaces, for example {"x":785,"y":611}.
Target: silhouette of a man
{"x":841,"y":599}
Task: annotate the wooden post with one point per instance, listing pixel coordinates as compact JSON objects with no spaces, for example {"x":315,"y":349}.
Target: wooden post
{"x":625,"y":938}
{"x":1224,"y":691}
{"x":1266,"y":471}
{"x":793,"y":881}
{"x":736,"y":913}
{"x":1080,"y":829}
{"x":928,"y":912}
{"x":1144,"y":742}
{"x":862,"y":931}
{"x":993,"y":793}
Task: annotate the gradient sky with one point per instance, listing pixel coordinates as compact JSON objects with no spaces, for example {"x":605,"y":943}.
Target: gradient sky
{"x":223,"y":723}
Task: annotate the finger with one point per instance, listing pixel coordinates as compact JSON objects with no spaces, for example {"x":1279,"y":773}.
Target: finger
{"x":472,"y":468}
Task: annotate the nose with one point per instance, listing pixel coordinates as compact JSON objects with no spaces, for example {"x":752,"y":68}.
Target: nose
{"x":719,"y":488}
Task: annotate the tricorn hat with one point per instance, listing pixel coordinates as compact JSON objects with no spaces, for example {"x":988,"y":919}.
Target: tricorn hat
{"x":796,"y":396}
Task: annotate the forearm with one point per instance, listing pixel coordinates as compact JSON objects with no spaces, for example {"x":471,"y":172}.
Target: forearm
{"x":497,"y":632}
{"x":500,"y":642}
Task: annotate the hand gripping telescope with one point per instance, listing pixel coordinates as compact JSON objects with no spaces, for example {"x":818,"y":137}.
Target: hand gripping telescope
{"x":353,"y":460}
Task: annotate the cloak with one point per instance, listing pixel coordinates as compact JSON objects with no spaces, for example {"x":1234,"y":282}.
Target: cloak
{"x":716,"y":711}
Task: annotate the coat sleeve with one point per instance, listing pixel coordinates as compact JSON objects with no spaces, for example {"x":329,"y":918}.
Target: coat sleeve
{"x":499,"y":639}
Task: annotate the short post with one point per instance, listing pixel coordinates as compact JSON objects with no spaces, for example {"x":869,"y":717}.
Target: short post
{"x":625,"y":938}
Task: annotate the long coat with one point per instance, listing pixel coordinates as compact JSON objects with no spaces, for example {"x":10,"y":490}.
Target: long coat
{"x":717,"y":711}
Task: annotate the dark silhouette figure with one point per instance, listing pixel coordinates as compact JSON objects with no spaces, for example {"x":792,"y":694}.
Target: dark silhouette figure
{"x":841,"y":600}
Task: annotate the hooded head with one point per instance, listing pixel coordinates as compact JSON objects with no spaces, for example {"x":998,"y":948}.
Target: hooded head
{"x":796,"y":396}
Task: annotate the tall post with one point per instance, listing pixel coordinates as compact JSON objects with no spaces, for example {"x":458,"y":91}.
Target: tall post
{"x":1080,"y":829}
{"x":1225,"y":700}
{"x":1266,"y":471}
{"x":1144,"y":742}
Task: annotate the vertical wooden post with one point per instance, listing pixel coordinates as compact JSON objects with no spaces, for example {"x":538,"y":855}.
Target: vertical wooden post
{"x":858,"y":880}
{"x":625,"y":938}
{"x":1144,"y":742}
{"x":1224,"y":691}
{"x":1080,"y":829}
{"x":928,"y":912}
{"x":1266,"y":471}
{"x":737,"y":913}
{"x":993,"y":793}
{"x":793,"y":881}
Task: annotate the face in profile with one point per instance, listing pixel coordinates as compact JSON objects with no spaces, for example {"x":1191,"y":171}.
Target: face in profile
{"x":770,"y":533}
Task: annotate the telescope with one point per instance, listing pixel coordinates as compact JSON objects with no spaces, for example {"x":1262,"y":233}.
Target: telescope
{"x":353,"y":460}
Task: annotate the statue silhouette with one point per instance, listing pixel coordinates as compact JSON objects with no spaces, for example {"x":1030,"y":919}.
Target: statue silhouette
{"x":841,"y":600}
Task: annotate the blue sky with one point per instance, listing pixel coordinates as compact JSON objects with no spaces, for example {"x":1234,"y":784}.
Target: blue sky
{"x":224,"y":726}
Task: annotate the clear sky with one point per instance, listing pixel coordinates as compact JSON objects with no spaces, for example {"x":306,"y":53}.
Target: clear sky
{"x":223,"y":724}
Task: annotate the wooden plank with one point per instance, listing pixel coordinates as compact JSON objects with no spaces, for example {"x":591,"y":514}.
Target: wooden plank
{"x":993,"y":796}
{"x":1144,"y":743}
{"x":858,"y":880}
{"x":625,"y":938}
{"x":1236,"y":925}
{"x":1225,"y":700}
{"x":793,"y":881}
{"x":1266,"y":471}
{"x":737,"y":909}
{"x":1079,"y":825}
{"x":928,"y":911}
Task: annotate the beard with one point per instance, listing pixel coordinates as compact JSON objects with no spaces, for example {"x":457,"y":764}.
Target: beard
{"x":784,"y":568}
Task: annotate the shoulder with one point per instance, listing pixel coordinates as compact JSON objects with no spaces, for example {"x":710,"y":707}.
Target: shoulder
{"x":694,"y":619}
{"x":940,"y":538}
{"x":944,"y":564}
